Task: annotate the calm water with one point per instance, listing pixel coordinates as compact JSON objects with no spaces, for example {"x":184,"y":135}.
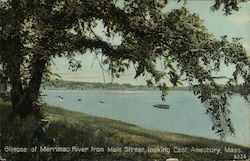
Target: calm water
{"x":186,"y":114}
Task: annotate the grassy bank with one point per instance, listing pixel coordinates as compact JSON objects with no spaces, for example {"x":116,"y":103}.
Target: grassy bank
{"x":78,"y":129}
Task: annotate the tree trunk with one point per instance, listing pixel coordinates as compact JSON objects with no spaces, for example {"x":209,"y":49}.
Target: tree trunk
{"x":17,"y":92}
{"x":23,"y":99}
{"x":13,"y":59}
{"x":25,"y":106}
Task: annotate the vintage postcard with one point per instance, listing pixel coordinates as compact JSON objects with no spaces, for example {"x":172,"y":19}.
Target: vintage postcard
{"x":124,"y":80}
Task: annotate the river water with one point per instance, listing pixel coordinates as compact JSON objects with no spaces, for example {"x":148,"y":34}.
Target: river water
{"x":186,"y":114}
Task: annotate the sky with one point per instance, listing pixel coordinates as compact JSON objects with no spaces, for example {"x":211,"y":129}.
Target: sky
{"x":235,"y":25}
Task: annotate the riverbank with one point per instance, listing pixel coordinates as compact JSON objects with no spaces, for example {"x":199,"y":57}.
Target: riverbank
{"x":119,"y":140}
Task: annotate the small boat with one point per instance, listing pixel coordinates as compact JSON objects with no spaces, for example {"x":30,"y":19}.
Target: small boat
{"x":79,"y":99}
{"x":60,"y":97}
{"x":101,"y":102}
{"x":161,"y":106}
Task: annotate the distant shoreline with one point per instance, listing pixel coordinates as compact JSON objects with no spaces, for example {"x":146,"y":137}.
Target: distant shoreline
{"x":70,"y":85}
{"x":96,"y":90}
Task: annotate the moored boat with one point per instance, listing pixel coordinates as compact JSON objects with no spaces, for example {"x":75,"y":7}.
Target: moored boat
{"x":163,"y":106}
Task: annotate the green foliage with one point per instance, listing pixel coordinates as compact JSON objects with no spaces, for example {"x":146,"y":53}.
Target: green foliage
{"x":35,"y":32}
{"x":228,"y":5}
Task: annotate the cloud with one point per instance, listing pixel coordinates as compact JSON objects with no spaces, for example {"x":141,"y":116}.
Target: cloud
{"x":247,"y":47}
{"x":239,"y":19}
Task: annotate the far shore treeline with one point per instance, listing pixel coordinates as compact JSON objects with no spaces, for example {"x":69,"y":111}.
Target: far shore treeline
{"x":72,"y":85}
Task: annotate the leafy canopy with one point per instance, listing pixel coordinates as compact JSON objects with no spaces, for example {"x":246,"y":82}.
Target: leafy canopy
{"x":44,"y":29}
